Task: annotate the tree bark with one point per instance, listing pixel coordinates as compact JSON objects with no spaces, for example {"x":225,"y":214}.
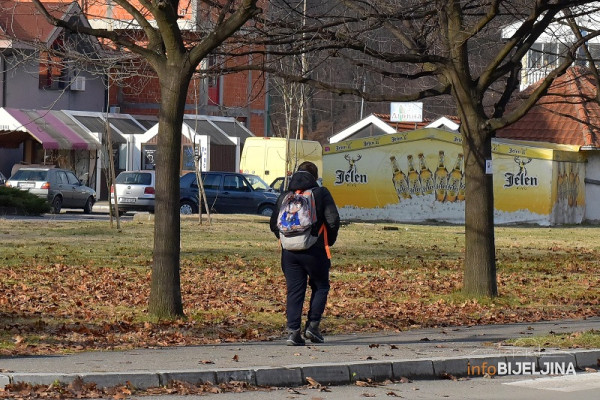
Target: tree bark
{"x":165,"y":293}
{"x":480,"y":262}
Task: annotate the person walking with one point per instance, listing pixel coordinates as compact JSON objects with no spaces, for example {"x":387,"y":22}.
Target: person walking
{"x":311,"y":264}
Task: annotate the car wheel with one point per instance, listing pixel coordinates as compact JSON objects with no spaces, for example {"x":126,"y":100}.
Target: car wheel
{"x":87,"y":208}
{"x":267,"y":210}
{"x":56,"y":205}
{"x":186,"y":207}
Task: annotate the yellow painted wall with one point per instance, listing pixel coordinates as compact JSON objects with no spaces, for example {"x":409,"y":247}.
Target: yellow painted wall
{"x":531,"y":184}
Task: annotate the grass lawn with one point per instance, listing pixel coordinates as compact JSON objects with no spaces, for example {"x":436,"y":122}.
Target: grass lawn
{"x":586,"y":340}
{"x":69,"y":286}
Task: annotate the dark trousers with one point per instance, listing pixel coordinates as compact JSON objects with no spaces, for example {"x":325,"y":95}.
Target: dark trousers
{"x":298,"y":267}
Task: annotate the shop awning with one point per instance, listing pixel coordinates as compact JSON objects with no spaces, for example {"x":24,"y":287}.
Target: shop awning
{"x":233,"y":129}
{"x":147,"y":121}
{"x":97,"y":124}
{"x":201,"y":127}
{"x":48,"y":128}
{"x":127,"y":126}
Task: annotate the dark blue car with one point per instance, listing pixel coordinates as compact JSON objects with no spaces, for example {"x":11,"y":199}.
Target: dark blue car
{"x":228,"y":193}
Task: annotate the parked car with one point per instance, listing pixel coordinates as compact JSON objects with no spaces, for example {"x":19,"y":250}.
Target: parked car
{"x":60,"y":187}
{"x":228,"y":192}
{"x":135,"y":191}
{"x":277,"y":184}
{"x":2,"y":179}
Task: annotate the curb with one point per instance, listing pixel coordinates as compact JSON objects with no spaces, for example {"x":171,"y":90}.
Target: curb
{"x":325,"y":374}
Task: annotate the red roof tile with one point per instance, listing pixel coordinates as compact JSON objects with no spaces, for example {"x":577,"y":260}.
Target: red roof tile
{"x":568,"y":114}
{"x":21,"y":20}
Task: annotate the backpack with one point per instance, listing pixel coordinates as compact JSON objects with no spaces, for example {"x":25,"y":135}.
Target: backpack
{"x":297,"y":215}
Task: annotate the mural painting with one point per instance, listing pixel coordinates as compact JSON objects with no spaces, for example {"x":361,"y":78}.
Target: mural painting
{"x":419,"y":176}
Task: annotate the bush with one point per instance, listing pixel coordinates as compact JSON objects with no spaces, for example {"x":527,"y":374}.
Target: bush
{"x":23,"y":201}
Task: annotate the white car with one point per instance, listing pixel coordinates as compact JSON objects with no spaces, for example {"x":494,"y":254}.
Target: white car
{"x":135,"y":191}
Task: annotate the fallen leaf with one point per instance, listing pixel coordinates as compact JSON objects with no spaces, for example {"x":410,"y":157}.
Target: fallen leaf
{"x":236,"y":358}
{"x":374,"y":345}
{"x":312,"y":383}
{"x":206,"y":362}
{"x":451,"y":377}
{"x":363,"y":384}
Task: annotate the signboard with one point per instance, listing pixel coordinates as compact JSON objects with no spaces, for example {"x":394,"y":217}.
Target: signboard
{"x":420,"y":176}
{"x":406,"y":112}
{"x":148,"y":156}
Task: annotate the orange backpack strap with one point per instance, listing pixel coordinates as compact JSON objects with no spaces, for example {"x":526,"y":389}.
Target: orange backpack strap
{"x":324,"y":230}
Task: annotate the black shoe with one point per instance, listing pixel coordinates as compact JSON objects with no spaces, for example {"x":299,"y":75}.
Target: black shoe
{"x":312,"y":332}
{"x":295,"y":339}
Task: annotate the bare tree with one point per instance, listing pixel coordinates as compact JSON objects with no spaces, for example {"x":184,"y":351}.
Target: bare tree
{"x":151,"y":31}
{"x":422,"y":50}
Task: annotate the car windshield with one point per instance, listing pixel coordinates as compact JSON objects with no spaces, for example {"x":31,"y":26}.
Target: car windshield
{"x":257,"y":183}
{"x":135,"y":178}
{"x":30,"y":175}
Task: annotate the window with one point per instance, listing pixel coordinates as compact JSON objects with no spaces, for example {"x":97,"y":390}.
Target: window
{"x":544,"y":55}
{"x":235,"y":183}
{"x":72,"y":179}
{"x":52,"y":69}
{"x":134,"y":178}
{"x":534,"y":59}
{"x":187,"y":159}
{"x":212,"y":182}
{"x":594,"y":49}
{"x":122,"y":161}
{"x":61,"y":178}
{"x":213,"y":80}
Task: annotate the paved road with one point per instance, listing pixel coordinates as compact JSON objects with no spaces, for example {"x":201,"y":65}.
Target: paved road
{"x":583,"y":386}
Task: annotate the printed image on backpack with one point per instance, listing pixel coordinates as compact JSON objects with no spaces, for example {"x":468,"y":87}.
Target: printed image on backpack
{"x":295,"y":214}
{"x":295,"y":220}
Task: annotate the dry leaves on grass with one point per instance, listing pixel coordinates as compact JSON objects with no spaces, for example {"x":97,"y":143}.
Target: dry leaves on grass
{"x":81,"y":390}
{"x":58,"y":299}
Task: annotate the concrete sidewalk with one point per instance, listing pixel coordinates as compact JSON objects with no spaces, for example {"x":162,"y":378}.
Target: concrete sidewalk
{"x":342,"y":359}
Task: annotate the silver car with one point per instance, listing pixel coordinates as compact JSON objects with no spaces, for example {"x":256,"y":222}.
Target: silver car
{"x":135,"y":191}
{"x":60,"y":187}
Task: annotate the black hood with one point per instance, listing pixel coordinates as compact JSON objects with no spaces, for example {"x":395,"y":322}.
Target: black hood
{"x":302,"y":180}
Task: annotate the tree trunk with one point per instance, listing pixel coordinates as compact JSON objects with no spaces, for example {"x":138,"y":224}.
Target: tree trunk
{"x":480,"y":262}
{"x":165,"y":293}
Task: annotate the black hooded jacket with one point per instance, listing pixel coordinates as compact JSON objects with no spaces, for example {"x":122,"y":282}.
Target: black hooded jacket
{"x":327,"y":212}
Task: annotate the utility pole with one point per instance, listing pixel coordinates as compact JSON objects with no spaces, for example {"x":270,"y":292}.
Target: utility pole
{"x":304,"y":69}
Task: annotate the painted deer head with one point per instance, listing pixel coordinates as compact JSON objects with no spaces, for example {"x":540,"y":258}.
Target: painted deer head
{"x":352,"y":161}
{"x":522,"y":162}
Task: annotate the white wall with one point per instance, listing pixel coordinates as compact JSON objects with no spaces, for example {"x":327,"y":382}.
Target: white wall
{"x":592,"y":190}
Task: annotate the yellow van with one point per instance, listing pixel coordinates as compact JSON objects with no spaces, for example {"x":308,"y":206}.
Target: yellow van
{"x":266,"y":156}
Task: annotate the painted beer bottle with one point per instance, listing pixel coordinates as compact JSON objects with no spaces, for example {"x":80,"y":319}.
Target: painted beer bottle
{"x":427,"y":184}
{"x":399,"y":180}
{"x":454,"y":180}
{"x":440,"y":179}
{"x":414,"y":183}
